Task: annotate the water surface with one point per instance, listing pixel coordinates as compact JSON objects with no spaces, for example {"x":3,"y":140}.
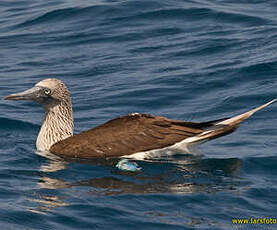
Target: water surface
{"x":192,"y":60}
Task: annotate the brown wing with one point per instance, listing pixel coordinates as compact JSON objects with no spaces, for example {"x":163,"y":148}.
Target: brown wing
{"x":127,"y":135}
{"x":142,"y":132}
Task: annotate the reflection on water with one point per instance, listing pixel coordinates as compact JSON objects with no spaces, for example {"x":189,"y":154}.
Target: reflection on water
{"x":46,"y":203}
{"x":51,"y":183}
{"x":53,"y":166}
{"x":178,"y":175}
{"x":54,"y":163}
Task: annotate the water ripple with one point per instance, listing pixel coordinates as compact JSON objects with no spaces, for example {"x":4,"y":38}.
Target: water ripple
{"x":190,"y":60}
{"x":10,"y":124}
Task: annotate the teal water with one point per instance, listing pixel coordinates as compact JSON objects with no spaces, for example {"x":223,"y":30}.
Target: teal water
{"x":192,"y":60}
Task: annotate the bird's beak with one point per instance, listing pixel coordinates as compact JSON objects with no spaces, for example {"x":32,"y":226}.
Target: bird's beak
{"x":30,"y":94}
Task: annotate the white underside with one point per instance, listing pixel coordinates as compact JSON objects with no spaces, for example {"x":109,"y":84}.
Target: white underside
{"x":180,"y":147}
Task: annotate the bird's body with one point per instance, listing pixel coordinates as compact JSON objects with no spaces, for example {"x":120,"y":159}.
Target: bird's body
{"x":128,"y":135}
{"x":124,"y":136}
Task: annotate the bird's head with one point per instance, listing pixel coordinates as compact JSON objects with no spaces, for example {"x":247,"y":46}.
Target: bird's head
{"x":48,"y":92}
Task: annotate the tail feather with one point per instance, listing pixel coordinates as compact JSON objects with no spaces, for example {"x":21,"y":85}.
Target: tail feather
{"x":238,"y":119}
{"x":224,"y":127}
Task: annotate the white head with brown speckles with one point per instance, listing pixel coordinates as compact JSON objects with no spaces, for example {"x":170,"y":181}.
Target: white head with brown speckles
{"x":54,"y":96}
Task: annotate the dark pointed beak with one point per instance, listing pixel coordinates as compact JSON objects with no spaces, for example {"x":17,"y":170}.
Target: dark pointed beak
{"x":30,"y":94}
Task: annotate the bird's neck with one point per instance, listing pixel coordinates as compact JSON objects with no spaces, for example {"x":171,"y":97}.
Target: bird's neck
{"x":57,"y":126}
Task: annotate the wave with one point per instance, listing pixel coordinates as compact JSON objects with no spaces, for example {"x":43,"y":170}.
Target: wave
{"x":8,"y":124}
{"x":59,"y":15}
{"x":128,"y":13}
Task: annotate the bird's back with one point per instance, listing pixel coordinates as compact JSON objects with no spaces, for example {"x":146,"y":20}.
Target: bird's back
{"x":128,"y":135}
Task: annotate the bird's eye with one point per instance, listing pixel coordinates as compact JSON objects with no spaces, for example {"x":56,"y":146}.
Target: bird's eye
{"x":47,"y":91}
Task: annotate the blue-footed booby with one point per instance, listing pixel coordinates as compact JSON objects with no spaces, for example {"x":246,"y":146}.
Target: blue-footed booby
{"x":128,"y":135}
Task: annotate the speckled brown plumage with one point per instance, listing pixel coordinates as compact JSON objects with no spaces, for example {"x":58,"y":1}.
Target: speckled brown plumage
{"x":128,"y":135}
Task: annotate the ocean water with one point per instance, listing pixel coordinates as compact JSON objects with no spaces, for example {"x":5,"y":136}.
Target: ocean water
{"x":194,"y":60}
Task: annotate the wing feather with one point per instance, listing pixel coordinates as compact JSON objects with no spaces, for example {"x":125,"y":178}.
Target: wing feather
{"x":126,"y":135}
